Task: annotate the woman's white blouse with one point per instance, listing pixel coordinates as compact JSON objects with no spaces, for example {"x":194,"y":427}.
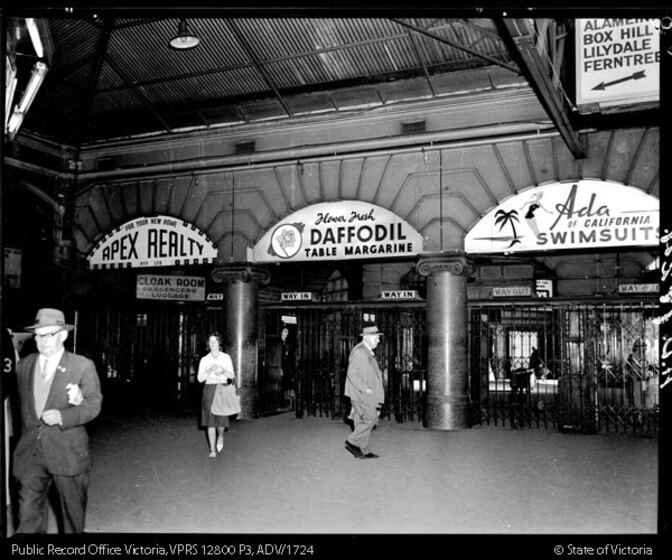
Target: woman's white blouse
{"x":223,"y":360}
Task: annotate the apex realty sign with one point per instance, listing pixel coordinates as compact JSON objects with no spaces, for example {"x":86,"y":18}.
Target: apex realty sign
{"x":349,"y":229}
{"x":618,"y":61}
{"x":153,"y":241}
{"x":577,"y":215}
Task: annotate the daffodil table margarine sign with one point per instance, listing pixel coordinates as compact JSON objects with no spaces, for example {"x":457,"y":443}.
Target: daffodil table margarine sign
{"x":574,"y":215}
{"x":348,"y":229}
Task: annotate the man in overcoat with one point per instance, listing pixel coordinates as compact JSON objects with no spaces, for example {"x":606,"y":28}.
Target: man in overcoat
{"x":364,"y":386}
{"x":59,"y":393}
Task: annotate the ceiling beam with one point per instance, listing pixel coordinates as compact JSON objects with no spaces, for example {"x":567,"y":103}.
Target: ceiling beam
{"x":137,"y":92}
{"x":248,"y":50}
{"x":537,"y":71}
{"x":94,"y":76}
{"x":421,"y":61}
{"x":456,"y":45}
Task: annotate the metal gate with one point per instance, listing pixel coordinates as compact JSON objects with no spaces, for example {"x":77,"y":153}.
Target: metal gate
{"x":147,"y":356}
{"x":325,"y":335}
{"x":583,"y":368}
{"x":597,"y":366}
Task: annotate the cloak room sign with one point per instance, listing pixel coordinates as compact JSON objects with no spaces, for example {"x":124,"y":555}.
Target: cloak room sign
{"x":617,"y":61}
{"x":576,"y":215}
{"x":350,"y":229}
{"x":170,"y":288}
{"x":153,"y":241}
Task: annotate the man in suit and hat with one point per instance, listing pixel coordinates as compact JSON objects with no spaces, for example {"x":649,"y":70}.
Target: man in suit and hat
{"x":364,"y":386}
{"x":59,"y":393}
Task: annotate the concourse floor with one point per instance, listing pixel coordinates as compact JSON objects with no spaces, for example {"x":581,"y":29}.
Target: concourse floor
{"x":283,"y":475}
{"x":286,"y":475}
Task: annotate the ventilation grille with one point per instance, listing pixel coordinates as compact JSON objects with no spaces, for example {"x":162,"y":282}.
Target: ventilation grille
{"x":105,"y":164}
{"x":245,"y":147}
{"x":413,"y":127}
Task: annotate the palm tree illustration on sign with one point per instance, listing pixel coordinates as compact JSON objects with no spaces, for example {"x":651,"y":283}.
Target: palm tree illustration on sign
{"x":505,"y":218}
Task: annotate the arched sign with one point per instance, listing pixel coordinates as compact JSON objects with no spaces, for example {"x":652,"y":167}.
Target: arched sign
{"x":153,"y":241}
{"x":575,"y":215}
{"x":349,"y":229}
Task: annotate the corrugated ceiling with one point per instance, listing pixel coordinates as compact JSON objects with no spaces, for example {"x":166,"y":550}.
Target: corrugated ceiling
{"x":117,"y":78}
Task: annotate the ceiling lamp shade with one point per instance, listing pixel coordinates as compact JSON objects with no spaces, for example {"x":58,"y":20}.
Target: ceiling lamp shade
{"x":184,"y":39}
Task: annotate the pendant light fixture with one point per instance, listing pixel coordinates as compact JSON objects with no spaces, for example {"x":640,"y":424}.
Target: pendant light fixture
{"x":184,"y":39}
{"x":20,"y":111}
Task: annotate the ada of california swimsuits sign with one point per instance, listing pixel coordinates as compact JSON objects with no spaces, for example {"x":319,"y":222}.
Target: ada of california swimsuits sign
{"x":350,"y":229}
{"x":153,"y":241}
{"x":576,"y":215}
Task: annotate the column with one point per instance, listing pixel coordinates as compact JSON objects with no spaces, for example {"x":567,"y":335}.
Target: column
{"x":447,"y":406}
{"x":240,"y":283}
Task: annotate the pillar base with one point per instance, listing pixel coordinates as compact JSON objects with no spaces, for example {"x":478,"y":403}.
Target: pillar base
{"x":248,"y":403}
{"x":446,"y":413}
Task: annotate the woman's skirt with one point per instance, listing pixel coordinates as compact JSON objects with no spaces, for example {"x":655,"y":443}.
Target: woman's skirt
{"x":208,"y":419}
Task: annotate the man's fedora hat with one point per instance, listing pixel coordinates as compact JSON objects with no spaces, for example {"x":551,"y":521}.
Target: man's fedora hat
{"x":371,"y":331}
{"x":48,"y":317}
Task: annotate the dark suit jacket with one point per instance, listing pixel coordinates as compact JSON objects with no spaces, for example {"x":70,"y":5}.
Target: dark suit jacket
{"x":66,"y":447}
{"x":363,"y":373}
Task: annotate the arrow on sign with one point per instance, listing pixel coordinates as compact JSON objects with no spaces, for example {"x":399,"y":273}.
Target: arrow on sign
{"x":635,"y":76}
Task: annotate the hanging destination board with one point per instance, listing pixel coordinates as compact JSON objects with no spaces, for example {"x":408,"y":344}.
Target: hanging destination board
{"x":617,"y":61}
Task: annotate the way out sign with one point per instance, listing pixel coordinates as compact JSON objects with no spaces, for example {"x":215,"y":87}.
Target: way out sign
{"x":618,"y":61}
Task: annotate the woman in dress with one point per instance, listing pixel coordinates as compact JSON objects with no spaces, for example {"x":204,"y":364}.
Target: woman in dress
{"x":530,"y":207}
{"x":215,"y":368}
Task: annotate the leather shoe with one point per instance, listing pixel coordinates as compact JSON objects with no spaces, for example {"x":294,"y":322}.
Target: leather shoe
{"x":356,"y":451}
{"x":370,"y":456}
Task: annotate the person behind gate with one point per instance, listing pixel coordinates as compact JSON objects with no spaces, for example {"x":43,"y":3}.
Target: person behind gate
{"x":59,"y":393}
{"x":364,"y":386}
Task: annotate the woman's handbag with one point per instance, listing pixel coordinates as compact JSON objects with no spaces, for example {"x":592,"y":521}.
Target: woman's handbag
{"x":226,"y":401}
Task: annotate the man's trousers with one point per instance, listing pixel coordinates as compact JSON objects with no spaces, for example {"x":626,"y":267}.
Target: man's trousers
{"x":34,"y":487}
{"x":365,"y":420}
